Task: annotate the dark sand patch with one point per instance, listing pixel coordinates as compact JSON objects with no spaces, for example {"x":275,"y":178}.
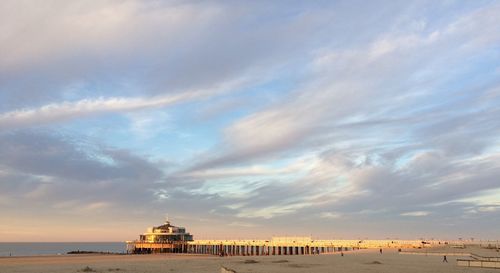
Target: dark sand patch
{"x":87,"y":269}
{"x":302,"y":265}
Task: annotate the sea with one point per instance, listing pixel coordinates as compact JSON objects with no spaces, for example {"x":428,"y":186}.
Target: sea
{"x":35,"y":249}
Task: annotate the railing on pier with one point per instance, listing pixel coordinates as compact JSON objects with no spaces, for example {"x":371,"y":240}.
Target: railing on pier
{"x":145,"y":247}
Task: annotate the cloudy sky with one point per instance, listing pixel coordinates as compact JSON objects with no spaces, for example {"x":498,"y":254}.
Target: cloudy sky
{"x":249,"y":119}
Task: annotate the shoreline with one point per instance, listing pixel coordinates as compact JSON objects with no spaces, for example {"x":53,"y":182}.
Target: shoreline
{"x":366,"y":260}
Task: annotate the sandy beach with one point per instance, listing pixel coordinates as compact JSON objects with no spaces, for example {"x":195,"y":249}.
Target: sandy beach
{"x":359,"y":261}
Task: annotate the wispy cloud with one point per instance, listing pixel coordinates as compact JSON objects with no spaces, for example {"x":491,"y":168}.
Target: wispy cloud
{"x":415,"y":213}
{"x":57,"y":112}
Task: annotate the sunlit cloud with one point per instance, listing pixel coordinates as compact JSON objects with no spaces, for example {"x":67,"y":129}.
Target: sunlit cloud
{"x":415,"y":213}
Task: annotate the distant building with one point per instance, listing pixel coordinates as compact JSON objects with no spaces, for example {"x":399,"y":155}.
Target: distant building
{"x":165,"y":233}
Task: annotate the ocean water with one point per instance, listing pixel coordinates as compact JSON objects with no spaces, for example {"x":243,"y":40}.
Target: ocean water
{"x":34,"y":249}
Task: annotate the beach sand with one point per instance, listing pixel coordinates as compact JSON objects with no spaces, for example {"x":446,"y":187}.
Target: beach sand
{"x":352,"y":262}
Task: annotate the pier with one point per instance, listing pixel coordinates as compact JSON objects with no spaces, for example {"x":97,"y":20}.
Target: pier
{"x":171,"y":239}
{"x":241,"y":247}
{"x":275,"y":246}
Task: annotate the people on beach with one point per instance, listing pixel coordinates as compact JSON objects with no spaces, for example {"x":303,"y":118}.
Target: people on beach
{"x":380,"y":251}
{"x":445,"y":260}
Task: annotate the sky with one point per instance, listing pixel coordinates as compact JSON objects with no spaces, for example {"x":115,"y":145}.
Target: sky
{"x":249,"y":119}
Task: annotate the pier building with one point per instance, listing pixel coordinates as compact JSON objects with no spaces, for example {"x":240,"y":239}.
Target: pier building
{"x":165,"y":238}
{"x":166,"y":233}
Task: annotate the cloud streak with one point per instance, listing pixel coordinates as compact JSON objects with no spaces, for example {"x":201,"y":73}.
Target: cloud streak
{"x":64,"y":111}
